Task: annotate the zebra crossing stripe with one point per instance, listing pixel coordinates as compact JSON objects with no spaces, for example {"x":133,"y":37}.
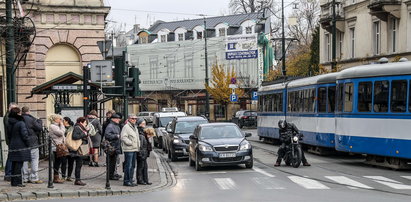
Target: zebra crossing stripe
{"x":389,"y":182}
{"x":307,"y":183}
{"x":352,"y":184}
{"x":266,"y":183}
{"x":407,"y":177}
{"x":263,"y":172}
{"x":225,"y":183}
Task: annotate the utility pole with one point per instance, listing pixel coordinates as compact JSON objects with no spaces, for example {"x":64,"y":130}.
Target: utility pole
{"x":125,"y":95}
{"x":207,"y":107}
{"x":334,"y":38}
{"x":11,"y":80}
{"x":86,"y":92}
{"x":283,"y":38}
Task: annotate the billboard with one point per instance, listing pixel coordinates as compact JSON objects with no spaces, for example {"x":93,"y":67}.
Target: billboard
{"x":241,"y":47}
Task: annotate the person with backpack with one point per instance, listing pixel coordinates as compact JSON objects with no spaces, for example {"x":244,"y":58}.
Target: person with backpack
{"x":68,"y":163}
{"x":95,"y":131}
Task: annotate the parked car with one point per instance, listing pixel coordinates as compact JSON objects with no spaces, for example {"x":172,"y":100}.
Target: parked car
{"x":245,"y":118}
{"x":147,"y":116}
{"x":178,"y":133}
{"x":160,"y":121}
{"x":215,"y":144}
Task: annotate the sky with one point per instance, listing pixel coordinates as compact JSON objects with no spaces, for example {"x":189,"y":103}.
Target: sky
{"x":146,"y":12}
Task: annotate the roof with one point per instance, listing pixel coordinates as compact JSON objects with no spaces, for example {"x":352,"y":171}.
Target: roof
{"x":231,"y":20}
{"x":277,"y":86}
{"x":319,"y":79}
{"x":191,"y":118}
{"x":68,"y":78}
{"x":170,"y":114}
{"x":217,"y":124}
{"x":376,"y":70}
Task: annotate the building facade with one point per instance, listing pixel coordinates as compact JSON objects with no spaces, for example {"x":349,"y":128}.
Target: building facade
{"x":365,"y":31}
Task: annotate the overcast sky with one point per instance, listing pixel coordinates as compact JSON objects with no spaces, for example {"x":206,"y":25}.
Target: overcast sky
{"x":146,"y":12}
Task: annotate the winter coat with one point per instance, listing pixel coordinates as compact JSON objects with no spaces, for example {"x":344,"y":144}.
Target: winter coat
{"x":112,"y":134}
{"x":143,"y":153}
{"x":130,"y":140}
{"x":78,"y":133}
{"x":35,"y":126}
{"x":6,"y":124}
{"x":57,"y":134}
{"x":96,"y":139}
{"x":19,"y":139}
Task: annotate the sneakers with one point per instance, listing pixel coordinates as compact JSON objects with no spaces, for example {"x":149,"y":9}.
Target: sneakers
{"x":114,"y":178}
{"x":57,"y":180}
{"x":7,"y":178}
{"x":277,"y":164}
{"x":37,"y":182}
{"x":68,"y":179}
{"x":306,"y":164}
{"x":79,"y":183}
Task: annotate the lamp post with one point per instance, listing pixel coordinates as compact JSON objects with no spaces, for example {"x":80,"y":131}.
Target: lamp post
{"x":207,"y":101}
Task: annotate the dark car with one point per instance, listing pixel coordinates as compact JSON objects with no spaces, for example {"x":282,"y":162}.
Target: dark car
{"x":178,"y":132}
{"x":218,"y":144}
{"x":245,"y":118}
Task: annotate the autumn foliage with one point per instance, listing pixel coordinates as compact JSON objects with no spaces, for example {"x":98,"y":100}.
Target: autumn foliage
{"x":219,"y":84}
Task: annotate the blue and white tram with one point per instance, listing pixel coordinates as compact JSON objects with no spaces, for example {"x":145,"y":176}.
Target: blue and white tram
{"x":373,"y":114}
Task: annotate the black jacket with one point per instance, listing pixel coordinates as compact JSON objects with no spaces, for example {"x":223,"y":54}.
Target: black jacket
{"x":112,"y":134}
{"x":35,"y":126}
{"x":78,"y":134}
{"x":287,"y":132}
{"x":143,"y":153}
{"x":19,"y":139}
{"x":96,"y":139}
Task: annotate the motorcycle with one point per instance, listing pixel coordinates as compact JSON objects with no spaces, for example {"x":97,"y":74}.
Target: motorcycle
{"x":293,"y":152}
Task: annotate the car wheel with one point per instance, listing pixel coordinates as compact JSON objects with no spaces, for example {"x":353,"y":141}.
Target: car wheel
{"x":172,"y":156}
{"x":197,"y":163}
{"x":191,"y":163}
{"x":160,"y":143}
{"x":169,"y":154}
{"x":250,"y":164}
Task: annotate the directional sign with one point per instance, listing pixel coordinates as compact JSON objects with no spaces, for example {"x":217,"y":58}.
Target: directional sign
{"x":101,"y":71}
{"x":234,"y":98}
{"x":254,"y":95}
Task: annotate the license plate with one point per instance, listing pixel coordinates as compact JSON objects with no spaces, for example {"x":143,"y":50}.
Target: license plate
{"x":227,"y":155}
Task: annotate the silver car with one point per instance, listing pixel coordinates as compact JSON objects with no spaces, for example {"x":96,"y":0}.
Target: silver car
{"x":147,"y":116}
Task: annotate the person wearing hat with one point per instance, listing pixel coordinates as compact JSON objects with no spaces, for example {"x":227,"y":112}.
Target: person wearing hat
{"x":130,"y":143}
{"x":95,"y":139}
{"x":112,"y":134}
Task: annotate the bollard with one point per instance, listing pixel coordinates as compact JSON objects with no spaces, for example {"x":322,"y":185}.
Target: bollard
{"x":108,"y":171}
{"x":50,"y":183}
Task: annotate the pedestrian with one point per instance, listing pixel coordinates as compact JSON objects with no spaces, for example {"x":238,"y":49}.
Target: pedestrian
{"x":143,"y":154}
{"x":80,"y":132}
{"x":130,"y":143}
{"x":18,"y":146}
{"x":108,"y":118}
{"x":96,"y":138}
{"x":6,"y":123}
{"x":68,"y":163}
{"x":112,"y":134}
{"x":56,"y":133}
{"x":34,"y":126}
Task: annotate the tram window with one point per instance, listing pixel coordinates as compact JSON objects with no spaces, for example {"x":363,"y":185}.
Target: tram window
{"x":331,"y":99}
{"x":269,"y":103}
{"x":364,"y":97}
{"x":289,"y":101}
{"x":260,"y":103}
{"x":348,"y":97}
{"x":398,"y":96}
{"x":301,"y":101}
{"x":381,"y":89}
{"x":340,"y":95}
{"x":322,"y":99}
{"x":312,"y":100}
{"x":409,"y":98}
{"x":280,"y":102}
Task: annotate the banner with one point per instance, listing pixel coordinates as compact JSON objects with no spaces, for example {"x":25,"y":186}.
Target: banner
{"x":241,"y":47}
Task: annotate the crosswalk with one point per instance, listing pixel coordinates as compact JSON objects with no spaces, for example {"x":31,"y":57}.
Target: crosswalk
{"x":271,"y":182}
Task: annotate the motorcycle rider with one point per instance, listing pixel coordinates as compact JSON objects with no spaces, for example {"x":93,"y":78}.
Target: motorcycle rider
{"x":287,"y":130}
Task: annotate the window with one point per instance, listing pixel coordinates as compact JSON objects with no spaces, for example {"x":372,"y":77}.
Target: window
{"x":409,"y":98}
{"x":269,"y":102}
{"x":221,"y":32}
{"x":331,"y":99}
{"x":327,"y":48}
{"x":219,"y":111}
{"x":144,"y":40}
{"x":340,"y":37}
{"x":248,"y":30}
{"x":292,"y":105}
{"x":377,"y":38}
{"x":364,"y":97}
{"x":340,"y":95}
{"x":199,"y":35}
{"x":260,"y":103}
{"x":352,"y":44}
{"x":394,"y":30}
{"x":348,"y":97}
{"x":398,"y":96}
{"x":322,"y":99}
{"x":181,"y":37}
{"x":278,"y":102}
{"x":163,"y":38}
{"x":311,"y":100}
{"x":381,"y":89}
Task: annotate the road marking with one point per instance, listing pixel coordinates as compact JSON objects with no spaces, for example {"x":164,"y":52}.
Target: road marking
{"x":182,"y":183}
{"x":389,"y":182}
{"x":352,"y":184}
{"x":407,"y":177}
{"x":225,"y":183}
{"x":307,"y":183}
{"x":266,"y":182}
{"x":263,"y":172}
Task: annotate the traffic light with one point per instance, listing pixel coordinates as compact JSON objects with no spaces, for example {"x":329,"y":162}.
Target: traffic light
{"x":133,"y":82}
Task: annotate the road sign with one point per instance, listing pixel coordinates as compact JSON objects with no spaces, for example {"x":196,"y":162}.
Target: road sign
{"x":232,"y":86}
{"x":101,"y":71}
{"x":234,"y":98}
{"x":254,"y":95}
{"x":233,"y":80}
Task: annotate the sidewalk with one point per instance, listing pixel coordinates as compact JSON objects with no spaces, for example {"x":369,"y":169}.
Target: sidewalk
{"x":95,"y":177}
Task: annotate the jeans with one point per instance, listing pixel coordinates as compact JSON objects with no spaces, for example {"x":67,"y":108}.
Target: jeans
{"x":8,"y":167}
{"x":112,"y":164}
{"x":16,"y":178}
{"x":142,"y":170}
{"x":31,"y":175}
{"x":129,"y":166}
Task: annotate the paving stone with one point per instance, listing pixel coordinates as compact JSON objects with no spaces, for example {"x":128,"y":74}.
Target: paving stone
{"x":83,"y":193}
{"x":69,"y":194}
{"x":92,"y":193}
{"x":101,"y":193}
{"x":41,"y":195}
{"x":13,"y":196}
{"x":116,"y":192}
{"x":3,"y":197}
{"x":28,"y":195}
{"x":54,"y":194}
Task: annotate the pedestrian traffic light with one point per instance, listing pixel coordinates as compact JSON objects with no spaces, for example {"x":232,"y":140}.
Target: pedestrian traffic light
{"x":133,"y":82}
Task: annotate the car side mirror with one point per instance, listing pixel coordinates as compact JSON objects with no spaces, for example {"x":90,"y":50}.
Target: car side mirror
{"x":192,"y":137}
{"x":248,"y":134}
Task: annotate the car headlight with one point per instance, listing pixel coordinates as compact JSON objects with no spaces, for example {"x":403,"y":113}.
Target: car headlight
{"x":245,"y":145}
{"x":295,"y":138}
{"x":205,"y":148}
{"x":176,"y":140}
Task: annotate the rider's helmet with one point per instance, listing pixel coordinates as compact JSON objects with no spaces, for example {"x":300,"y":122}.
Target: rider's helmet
{"x":282,"y":124}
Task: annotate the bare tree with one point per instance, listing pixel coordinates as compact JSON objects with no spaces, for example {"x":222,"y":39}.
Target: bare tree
{"x":307,"y":17}
{"x":249,"y":6}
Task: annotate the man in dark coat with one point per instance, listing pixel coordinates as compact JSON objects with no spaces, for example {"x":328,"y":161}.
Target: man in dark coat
{"x":34,"y":126}
{"x":6,"y":123}
{"x":112,"y":134}
{"x":18,"y":145}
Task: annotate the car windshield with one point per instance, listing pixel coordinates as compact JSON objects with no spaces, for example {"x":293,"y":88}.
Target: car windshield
{"x":165,"y":120}
{"x":250,"y":114}
{"x":220,"y":132}
{"x":187,"y":126}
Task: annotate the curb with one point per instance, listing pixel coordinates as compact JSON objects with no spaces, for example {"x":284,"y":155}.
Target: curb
{"x":167,"y":179}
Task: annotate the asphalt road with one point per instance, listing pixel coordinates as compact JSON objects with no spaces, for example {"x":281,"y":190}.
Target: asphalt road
{"x":330,"y":178}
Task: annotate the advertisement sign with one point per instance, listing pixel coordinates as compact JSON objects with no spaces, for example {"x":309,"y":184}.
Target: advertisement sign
{"x":241,"y":47}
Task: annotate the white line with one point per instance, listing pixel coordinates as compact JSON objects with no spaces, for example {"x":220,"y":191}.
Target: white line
{"x":407,"y":177}
{"x":266,"y":182}
{"x":307,"y":183}
{"x":225,"y":183}
{"x":263,"y":172}
{"x":389,"y":182}
{"x":182,"y":183}
{"x":349,"y":182}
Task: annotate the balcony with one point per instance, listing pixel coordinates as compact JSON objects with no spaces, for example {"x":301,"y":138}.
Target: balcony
{"x":383,"y":8}
{"x":326,"y":16}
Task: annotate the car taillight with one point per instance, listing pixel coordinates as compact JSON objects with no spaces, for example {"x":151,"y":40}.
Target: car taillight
{"x":244,"y":117}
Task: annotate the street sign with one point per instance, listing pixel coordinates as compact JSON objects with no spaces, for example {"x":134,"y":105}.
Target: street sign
{"x":233,"y":80}
{"x":254,"y":95}
{"x":233,"y":86}
{"x":101,"y":71}
{"x":234,"y":98}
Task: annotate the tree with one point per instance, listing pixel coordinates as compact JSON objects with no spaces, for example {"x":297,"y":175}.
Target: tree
{"x":249,"y":6}
{"x":298,"y":62}
{"x":315,"y":52}
{"x":307,"y":17}
{"x":219,"y":88}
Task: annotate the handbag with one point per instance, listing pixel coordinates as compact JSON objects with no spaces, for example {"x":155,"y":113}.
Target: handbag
{"x":61,"y":150}
{"x":83,"y":150}
{"x":73,"y":145}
